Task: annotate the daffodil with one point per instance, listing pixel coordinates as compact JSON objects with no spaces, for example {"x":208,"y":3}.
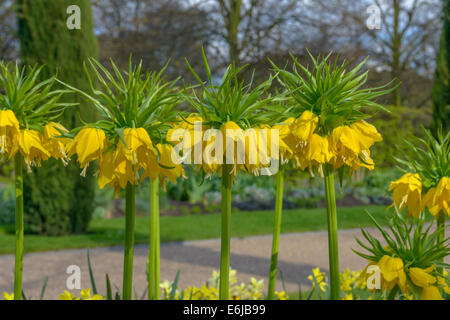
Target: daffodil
{"x":9,"y":128}
{"x":67,"y":296}
{"x":8,"y":296}
{"x":407,"y":192}
{"x":320,"y":278}
{"x":437,"y":199}
{"x":86,"y":295}
{"x":281,"y":295}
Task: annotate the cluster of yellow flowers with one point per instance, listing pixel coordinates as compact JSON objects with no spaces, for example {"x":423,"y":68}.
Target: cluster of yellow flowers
{"x":349,"y":281}
{"x":130,"y":160}
{"x":33,"y":145}
{"x":251,"y":147}
{"x":407,"y":192}
{"x":85,"y":294}
{"x":298,"y":141}
{"x":395,"y":272}
{"x":345,"y":145}
{"x":210,"y":290}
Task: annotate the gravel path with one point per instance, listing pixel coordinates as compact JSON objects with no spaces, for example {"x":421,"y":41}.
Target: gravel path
{"x":299,"y":253}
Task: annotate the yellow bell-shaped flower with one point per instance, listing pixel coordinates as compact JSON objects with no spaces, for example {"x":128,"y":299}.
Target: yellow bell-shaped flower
{"x":407,"y":193}
{"x":30,"y":144}
{"x":422,"y":277}
{"x":54,"y":143}
{"x":437,"y":199}
{"x":89,"y":145}
{"x":9,"y":128}
{"x":393,"y":273}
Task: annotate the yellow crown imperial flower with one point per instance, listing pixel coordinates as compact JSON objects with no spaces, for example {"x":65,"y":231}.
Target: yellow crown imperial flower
{"x":138,"y":146}
{"x":422,"y":277}
{"x":89,"y":145}
{"x":431,"y":293}
{"x":287,"y":143}
{"x":351,"y":145}
{"x":393,"y":273}
{"x":55,"y":144}
{"x":9,"y":128}
{"x":31,"y":146}
{"x":304,"y":126}
{"x":407,"y":193}
{"x":317,"y":152}
{"x":437,"y":199}
{"x":167,"y":168}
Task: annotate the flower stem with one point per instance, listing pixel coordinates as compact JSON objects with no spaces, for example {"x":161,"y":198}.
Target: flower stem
{"x":153,"y":254}
{"x":129,"y":242}
{"x":226,"y":232}
{"x":276,"y":235}
{"x":332,"y":233}
{"x":441,"y":236}
{"x":18,"y":173}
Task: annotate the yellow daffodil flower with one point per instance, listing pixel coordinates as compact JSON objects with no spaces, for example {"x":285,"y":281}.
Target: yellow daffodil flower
{"x":8,"y":296}
{"x":320,"y":278}
{"x":86,"y":295}
{"x":407,"y":193}
{"x":67,"y":296}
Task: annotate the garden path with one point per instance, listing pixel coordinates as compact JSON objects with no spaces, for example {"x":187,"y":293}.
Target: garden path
{"x":299,"y":253}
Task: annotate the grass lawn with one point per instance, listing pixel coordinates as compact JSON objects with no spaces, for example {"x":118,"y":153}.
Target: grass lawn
{"x":194,"y":227}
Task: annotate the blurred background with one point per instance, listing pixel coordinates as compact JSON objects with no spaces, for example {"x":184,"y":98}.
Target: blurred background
{"x":403,"y":39}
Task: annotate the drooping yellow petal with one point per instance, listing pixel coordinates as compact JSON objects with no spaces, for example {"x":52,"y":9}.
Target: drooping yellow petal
{"x":407,"y":192}
{"x":88,"y":145}
{"x":431,"y":293}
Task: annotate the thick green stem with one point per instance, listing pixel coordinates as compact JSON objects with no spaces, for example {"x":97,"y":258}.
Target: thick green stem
{"x":276,"y":235}
{"x":441,"y":237}
{"x":18,"y":172}
{"x":129,"y":242}
{"x":153,"y":254}
{"x":226,"y":232}
{"x":332,"y":233}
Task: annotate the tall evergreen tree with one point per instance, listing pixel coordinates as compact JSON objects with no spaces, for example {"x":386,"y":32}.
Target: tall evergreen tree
{"x":441,"y":86}
{"x":57,"y":200}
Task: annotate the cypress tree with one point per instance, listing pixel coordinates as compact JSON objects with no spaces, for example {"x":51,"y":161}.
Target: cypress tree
{"x":57,"y":200}
{"x":441,"y":86}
